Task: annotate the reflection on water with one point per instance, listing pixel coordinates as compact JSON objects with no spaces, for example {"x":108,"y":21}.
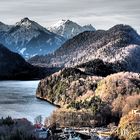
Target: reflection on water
{"x":17,"y":99}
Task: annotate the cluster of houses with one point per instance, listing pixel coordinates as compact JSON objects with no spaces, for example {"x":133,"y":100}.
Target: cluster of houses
{"x":41,"y":132}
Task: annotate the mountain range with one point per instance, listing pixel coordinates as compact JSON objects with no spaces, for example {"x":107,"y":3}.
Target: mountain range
{"x":68,"y":29}
{"x":119,"y":45}
{"x":28,"y":38}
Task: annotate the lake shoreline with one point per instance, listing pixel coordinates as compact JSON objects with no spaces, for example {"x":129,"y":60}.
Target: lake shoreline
{"x":41,"y":98}
{"x":18,"y":100}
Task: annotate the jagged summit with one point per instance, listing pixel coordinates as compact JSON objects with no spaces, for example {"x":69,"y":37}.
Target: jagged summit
{"x":62,"y":23}
{"x":25,"y":21}
{"x":27,"y":24}
{"x":88,"y":27}
{"x":69,"y":29}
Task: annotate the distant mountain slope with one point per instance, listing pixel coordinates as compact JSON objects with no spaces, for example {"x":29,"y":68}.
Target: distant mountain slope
{"x":119,"y":45}
{"x":13,"y":66}
{"x":28,"y":38}
{"x":69,"y":29}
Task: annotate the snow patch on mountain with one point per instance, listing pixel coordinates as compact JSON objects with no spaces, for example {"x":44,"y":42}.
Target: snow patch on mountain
{"x":22,"y":50}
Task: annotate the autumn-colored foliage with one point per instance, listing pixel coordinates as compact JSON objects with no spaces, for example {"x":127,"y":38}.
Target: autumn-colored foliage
{"x":129,"y":126}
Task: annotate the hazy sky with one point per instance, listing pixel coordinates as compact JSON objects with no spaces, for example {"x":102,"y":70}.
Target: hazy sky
{"x":102,"y":14}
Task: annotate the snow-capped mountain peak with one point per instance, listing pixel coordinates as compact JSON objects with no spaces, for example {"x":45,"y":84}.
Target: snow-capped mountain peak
{"x":29,"y":24}
{"x":24,"y":22}
{"x":69,"y":29}
{"x":29,"y":38}
{"x":59,"y":23}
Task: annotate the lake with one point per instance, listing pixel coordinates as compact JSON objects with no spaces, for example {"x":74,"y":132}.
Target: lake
{"x":17,"y":99}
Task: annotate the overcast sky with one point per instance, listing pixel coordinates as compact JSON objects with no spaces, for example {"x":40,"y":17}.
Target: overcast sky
{"x":102,"y":14}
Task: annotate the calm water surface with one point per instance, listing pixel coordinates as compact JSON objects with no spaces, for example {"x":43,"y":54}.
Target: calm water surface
{"x":17,"y":99}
